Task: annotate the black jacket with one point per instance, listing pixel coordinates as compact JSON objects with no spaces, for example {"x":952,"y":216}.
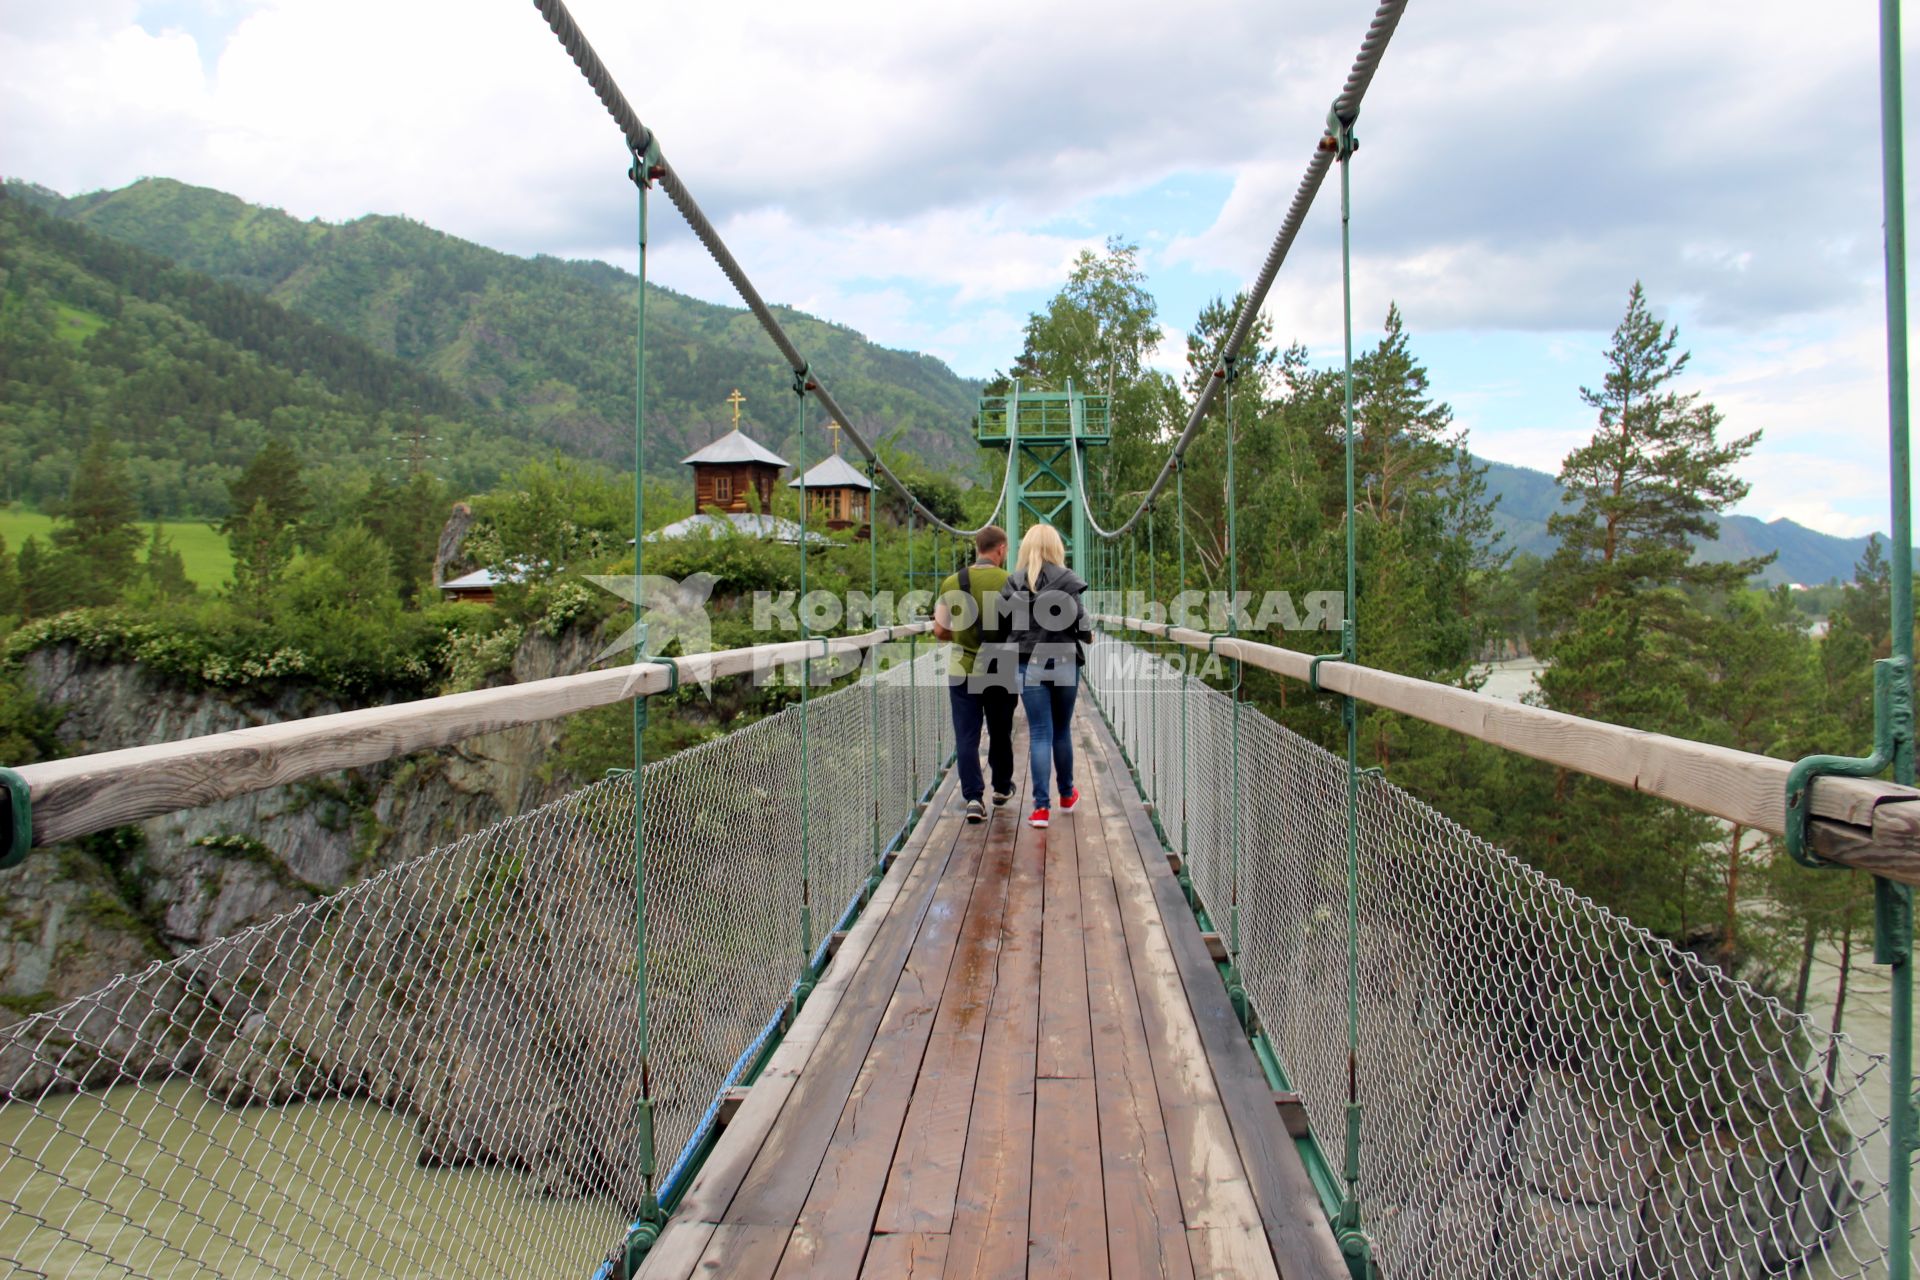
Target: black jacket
{"x":1048,"y":617}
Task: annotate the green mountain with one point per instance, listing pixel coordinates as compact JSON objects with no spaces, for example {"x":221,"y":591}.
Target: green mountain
{"x":191,"y":377}
{"x":1528,"y":498}
{"x":546,"y":344}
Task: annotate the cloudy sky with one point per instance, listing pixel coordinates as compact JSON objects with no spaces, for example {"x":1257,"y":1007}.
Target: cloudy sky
{"x":926,"y":173}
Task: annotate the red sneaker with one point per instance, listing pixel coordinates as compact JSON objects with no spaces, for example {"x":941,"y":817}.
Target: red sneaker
{"x":1070,"y":799}
{"x":1039,"y":818}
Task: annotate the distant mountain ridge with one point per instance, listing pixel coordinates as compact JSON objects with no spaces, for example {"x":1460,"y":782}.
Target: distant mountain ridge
{"x":1529,"y":497}
{"x":544,"y":342}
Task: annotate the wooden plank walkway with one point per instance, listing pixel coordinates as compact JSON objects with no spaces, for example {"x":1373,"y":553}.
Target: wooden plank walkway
{"x":1020,"y":1063}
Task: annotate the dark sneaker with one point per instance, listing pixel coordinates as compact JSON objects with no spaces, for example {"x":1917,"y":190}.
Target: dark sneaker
{"x":1001,"y":799}
{"x":1039,"y":818}
{"x":1070,"y":799}
{"x":976,"y":812}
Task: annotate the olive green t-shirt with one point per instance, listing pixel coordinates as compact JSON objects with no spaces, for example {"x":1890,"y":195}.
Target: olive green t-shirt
{"x":985,"y":581}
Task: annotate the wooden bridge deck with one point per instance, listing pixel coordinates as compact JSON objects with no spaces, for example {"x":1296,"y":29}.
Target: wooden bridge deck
{"x":1021,"y":1063}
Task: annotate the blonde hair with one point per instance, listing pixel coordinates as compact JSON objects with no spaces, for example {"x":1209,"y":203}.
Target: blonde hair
{"x":1040,"y":546}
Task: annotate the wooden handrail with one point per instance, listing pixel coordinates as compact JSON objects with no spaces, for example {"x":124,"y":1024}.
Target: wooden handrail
{"x":83,"y":794}
{"x":1858,"y":822}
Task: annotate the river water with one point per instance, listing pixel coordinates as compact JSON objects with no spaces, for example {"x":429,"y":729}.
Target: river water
{"x":313,"y":1189}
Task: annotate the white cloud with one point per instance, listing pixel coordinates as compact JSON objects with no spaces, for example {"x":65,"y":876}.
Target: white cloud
{"x":70,"y":87}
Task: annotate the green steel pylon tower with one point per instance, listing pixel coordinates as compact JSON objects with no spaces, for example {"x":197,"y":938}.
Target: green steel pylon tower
{"x":1041,"y":428}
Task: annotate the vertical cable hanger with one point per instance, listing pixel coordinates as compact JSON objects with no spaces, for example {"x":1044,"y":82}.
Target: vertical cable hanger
{"x":1348,"y":1228}
{"x":646,"y":1226}
{"x":804,"y":987}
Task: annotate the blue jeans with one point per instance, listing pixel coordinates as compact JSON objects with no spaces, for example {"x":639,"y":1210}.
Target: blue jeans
{"x":1049,"y":697}
{"x":970,"y":709}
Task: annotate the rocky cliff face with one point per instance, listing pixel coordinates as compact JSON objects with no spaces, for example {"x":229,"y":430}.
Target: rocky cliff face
{"x":73,"y":917}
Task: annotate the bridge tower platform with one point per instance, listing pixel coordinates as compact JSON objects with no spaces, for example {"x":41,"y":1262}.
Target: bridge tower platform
{"x":1040,"y":428}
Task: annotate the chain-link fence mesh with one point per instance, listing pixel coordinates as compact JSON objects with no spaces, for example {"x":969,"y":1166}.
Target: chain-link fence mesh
{"x":1548,"y":1090}
{"x":436,"y":1071}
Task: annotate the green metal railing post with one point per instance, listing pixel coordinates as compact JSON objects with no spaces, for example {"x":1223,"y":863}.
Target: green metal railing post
{"x":1348,"y":1228}
{"x":1153,"y":752}
{"x":1236,"y":989}
{"x":1186,"y":682}
{"x":17,"y":829}
{"x":646,"y":1226}
{"x":913,"y":676}
{"x":1016,"y":481}
{"x":804,"y":987}
{"x":1893,"y":903}
{"x":873,"y":732}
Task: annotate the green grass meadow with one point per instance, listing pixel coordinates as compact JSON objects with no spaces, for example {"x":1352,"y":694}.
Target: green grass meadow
{"x":209,"y":562}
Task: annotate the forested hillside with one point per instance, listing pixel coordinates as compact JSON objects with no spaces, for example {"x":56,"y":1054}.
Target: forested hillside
{"x":192,"y":377}
{"x":546,"y":343}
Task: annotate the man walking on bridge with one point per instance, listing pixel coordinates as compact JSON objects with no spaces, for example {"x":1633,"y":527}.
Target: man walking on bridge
{"x":980,"y":687}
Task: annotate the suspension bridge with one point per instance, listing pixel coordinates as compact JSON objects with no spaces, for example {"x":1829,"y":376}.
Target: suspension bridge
{"x":769,"y":1006}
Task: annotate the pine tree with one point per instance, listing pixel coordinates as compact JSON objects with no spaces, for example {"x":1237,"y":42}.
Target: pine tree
{"x":269,"y":500}
{"x":1646,"y":490}
{"x":48,"y":583}
{"x":262,"y":549}
{"x":1758,"y":697}
{"x":30,"y":573}
{"x":9,"y":584}
{"x":166,"y":568}
{"x":271,"y":478}
{"x":1834,"y":713}
{"x":1867,"y":603}
{"x":408,"y":521}
{"x":1403,"y":443}
{"x":1624,"y":631}
{"x":95,"y":530}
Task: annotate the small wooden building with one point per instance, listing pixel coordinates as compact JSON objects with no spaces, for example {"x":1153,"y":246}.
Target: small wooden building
{"x":837,"y":493}
{"x":730,"y":468}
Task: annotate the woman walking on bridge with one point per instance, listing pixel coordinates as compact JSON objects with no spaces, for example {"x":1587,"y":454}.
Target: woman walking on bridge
{"x":1048,"y":623}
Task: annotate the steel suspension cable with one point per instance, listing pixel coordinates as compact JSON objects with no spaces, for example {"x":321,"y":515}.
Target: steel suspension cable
{"x":642,"y":142}
{"x":1346,"y":107}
